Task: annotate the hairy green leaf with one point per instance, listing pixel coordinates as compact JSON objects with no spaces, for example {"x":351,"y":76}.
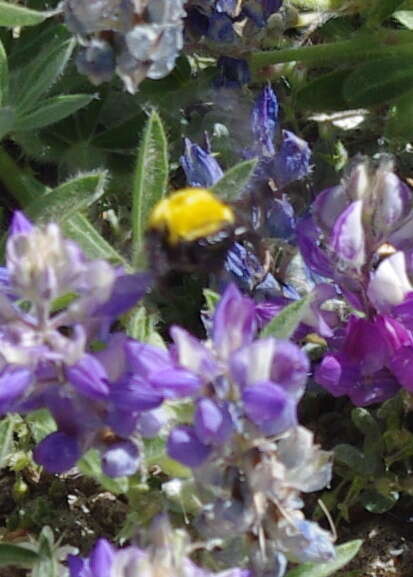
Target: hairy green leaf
{"x":51,"y":110}
{"x":345,"y":554}
{"x":283,"y":325}
{"x":4,"y":75}
{"x":70,"y":197}
{"x":150,"y":180}
{"x":230,"y":186}
{"x":30,"y":82}
{"x":13,"y":15}
{"x":78,"y":227}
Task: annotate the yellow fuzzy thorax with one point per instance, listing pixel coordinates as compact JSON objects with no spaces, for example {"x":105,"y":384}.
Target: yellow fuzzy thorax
{"x":190,"y":214}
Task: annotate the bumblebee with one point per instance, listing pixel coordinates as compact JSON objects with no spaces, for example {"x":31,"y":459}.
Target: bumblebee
{"x":191,"y":230}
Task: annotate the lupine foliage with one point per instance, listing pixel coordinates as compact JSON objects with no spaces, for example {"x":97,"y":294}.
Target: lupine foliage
{"x":238,"y":417}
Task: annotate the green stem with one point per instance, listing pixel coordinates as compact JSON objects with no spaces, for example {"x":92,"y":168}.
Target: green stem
{"x":364,"y":46}
{"x":21,"y":185}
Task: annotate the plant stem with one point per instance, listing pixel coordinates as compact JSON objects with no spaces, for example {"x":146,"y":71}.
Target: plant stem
{"x":21,"y":185}
{"x":381,"y":44}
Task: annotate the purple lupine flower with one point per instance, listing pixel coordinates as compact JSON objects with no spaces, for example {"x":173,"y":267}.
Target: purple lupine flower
{"x":220,"y":28}
{"x":120,"y":459}
{"x":243,"y":267}
{"x":167,"y":554}
{"x":201,"y":168}
{"x":244,"y":426}
{"x":280,"y":220}
{"x":285,"y":161}
{"x":264,"y":118}
{"x":58,"y":452}
{"x":45,"y":354}
{"x":358,"y":236}
{"x":269,"y":376}
{"x":292,"y":159}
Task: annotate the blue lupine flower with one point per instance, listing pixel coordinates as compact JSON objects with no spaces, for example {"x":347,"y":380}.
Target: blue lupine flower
{"x":283,"y":162}
{"x":201,"y":168}
{"x":264,"y":120}
{"x":292,"y":160}
{"x":220,"y":28}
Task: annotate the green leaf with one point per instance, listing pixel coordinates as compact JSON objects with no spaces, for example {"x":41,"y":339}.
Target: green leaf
{"x":90,"y":465}
{"x":150,"y":180}
{"x":141,"y":325}
{"x":30,"y":82}
{"x":376,"y":502}
{"x":48,"y":564}
{"x":52,"y":110}
{"x":345,"y":554}
{"x":373,"y":445}
{"x":4,"y":75}
{"x":155,"y":455}
{"x":17,"y":555}
{"x":365,"y":422}
{"x":323,"y":93}
{"x":283,"y":325}
{"x":12,"y":15}
{"x":78,"y":227}
{"x":70,"y":197}
{"x":211,"y":299}
{"x":7,"y":425}
{"x":354,"y":459}
{"x":405,"y":17}
{"x":400,"y":119}
{"x":41,"y":424}
{"x":231,"y":185}
{"x":7,"y":120}
{"x":382,"y":9}
{"x":378,"y":81}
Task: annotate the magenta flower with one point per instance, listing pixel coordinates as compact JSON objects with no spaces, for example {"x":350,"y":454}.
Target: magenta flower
{"x":359,"y":235}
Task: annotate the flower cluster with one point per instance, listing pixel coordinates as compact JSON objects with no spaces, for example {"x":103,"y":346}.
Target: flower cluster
{"x":54,"y":305}
{"x":228,"y":21}
{"x":167,"y":553}
{"x":244,"y":427}
{"x":229,"y":28}
{"x":137,"y":39}
{"x":359,"y":234}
